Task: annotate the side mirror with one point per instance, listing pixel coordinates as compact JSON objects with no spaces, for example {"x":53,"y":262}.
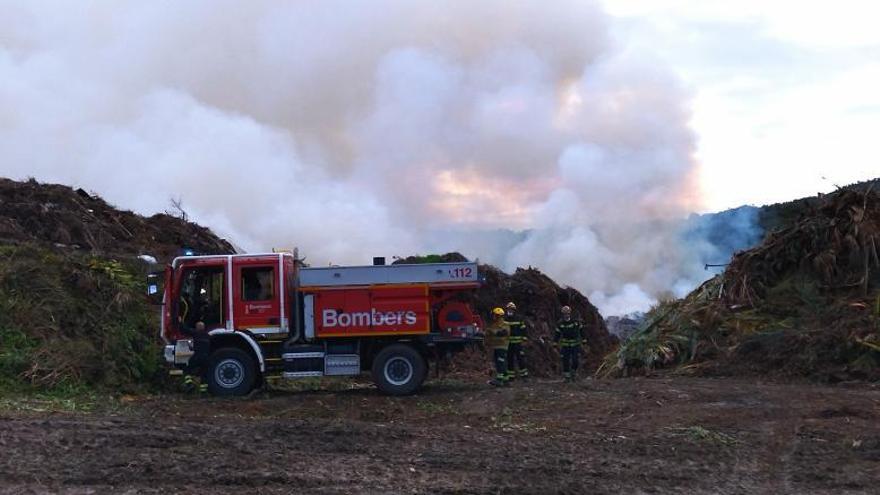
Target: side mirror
{"x":154,"y":288}
{"x":155,"y":279}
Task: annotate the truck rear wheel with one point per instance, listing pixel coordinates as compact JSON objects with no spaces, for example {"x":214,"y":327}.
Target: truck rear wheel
{"x":231,"y":372}
{"x":399,"y":370}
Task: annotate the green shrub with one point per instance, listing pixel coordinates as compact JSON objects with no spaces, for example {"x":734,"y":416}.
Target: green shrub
{"x":71,"y":320}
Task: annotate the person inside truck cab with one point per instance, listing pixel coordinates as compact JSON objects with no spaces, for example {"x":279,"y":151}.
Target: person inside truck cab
{"x":200,"y":300}
{"x":253,"y":289}
{"x":199,"y":307}
{"x":257,"y":284}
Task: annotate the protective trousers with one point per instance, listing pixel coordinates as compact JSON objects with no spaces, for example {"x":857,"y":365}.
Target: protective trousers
{"x":500,"y":358}
{"x":516,"y":355}
{"x":570,"y":355}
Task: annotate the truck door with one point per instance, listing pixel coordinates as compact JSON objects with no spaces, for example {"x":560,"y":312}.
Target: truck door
{"x":257,"y":295}
{"x":201,"y":298}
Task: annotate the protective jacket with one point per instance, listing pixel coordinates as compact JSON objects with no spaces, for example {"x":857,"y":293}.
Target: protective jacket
{"x":498,"y":335}
{"x":517,"y":326}
{"x":570,"y":334}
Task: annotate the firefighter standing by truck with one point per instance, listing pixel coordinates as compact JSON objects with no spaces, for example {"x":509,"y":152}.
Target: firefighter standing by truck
{"x":497,"y":340}
{"x":516,"y":354}
{"x":570,"y":336}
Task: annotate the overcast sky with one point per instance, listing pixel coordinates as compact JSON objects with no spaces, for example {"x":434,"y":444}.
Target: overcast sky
{"x":786,"y":92}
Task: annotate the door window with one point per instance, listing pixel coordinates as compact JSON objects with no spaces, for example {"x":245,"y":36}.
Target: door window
{"x":258,"y":283}
{"x":201,"y":297}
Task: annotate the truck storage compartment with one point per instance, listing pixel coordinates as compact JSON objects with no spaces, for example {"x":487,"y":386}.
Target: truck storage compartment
{"x":303,"y":364}
{"x":342,"y":364}
{"x":370,"y":311}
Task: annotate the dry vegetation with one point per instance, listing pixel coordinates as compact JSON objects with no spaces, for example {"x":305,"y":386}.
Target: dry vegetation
{"x":806,"y":302}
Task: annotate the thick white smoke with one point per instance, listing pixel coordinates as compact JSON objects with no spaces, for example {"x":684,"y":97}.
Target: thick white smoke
{"x":354,"y":128}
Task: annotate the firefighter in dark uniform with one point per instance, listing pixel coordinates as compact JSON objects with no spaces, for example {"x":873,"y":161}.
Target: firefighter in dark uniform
{"x":497,"y":339}
{"x":201,"y":344}
{"x":570,"y":336}
{"x":516,"y":354}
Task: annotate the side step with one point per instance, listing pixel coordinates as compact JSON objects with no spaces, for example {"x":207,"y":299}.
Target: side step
{"x":301,"y":364}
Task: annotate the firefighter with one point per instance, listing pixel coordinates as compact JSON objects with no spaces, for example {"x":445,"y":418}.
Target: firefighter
{"x":570,"y":336}
{"x":191,"y":385}
{"x":201,"y":344}
{"x":516,"y":354}
{"x":497,"y":339}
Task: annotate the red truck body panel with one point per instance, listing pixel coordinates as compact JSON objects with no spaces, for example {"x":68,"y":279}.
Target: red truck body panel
{"x":372,"y":311}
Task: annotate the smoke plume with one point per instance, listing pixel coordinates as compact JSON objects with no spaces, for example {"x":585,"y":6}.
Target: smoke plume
{"x":517,"y":132}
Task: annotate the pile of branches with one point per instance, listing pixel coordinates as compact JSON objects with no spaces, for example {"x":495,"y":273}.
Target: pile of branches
{"x":837,"y":245}
{"x":539,"y":300}
{"x":73,"y":220}
{"x":806,"y":302}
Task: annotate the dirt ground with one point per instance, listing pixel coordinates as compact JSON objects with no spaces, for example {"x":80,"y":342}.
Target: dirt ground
{"x":647,"y":435}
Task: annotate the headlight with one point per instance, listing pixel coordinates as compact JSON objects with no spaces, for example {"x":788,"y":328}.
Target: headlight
{"x":182,"y":351}
{"x":169,"y":353}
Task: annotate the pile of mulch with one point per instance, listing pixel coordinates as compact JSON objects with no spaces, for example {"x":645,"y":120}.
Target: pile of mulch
{"x":836,"y":245}
{"x":60,"y":217}
{"x":804,"y":303}
{"x":539,"y":300}
{"x":72,"y":311}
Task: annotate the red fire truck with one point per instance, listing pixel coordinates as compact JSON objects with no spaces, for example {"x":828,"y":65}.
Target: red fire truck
{"x":236,"y":320}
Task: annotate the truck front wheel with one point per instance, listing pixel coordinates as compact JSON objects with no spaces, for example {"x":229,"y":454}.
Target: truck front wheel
{"x":399,"y":370}
{"x":231,"y":372}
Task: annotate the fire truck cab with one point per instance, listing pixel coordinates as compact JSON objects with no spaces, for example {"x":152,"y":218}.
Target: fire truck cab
{"x":236,"y":320}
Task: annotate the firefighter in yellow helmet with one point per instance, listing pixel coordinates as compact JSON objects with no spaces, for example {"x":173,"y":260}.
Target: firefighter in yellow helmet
{"x":497,"y":340}
{"x":570,"y":336}
{"x":516,"y":354}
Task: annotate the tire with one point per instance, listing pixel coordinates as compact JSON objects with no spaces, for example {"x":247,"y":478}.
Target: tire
{"x":399,"y":370}
{"x":231,"y":372}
